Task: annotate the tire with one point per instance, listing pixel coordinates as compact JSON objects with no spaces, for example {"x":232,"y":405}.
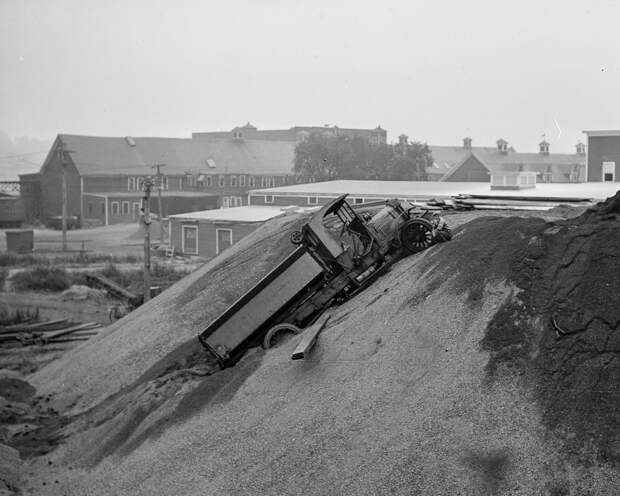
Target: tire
{"x":416,"y":235}
{"x":296,"y":237}
{"x":271,"y":340}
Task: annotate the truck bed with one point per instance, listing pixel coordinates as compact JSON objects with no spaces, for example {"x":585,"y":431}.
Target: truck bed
{"x":249,"y":314}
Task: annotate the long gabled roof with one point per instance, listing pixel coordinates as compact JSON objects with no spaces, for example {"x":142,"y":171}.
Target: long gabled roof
{"x":95,"y":155}
{"x":558,"y":164}
{"x":446,"y":158}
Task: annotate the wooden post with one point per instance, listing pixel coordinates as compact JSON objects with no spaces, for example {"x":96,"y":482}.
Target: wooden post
{"x":160,"y":184}
{"x":308,"y":338}
{"x":63,"y":161}
{"x":146,"y":212}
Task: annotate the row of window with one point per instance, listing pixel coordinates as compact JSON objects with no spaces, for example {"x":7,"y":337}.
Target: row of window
{"x":208,"y":180}
{"x":314,"y":200}
{"x":232,"y":201}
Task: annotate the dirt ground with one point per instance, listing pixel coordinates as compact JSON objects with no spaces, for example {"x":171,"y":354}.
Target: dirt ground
{"x":116,"y":239}
{"x":438,"y":379}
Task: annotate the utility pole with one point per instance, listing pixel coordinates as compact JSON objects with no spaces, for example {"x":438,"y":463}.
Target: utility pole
{"x":146,"y":219}
{"x":63,"y":160}
{"x":160,"y":184}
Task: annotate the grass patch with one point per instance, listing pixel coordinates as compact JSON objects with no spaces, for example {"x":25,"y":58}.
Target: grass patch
{"x":42,"y":278}
{"x":10,"y":317}
{"x":30,"y":259}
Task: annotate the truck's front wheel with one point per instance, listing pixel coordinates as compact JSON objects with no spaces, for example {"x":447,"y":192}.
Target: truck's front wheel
{"x":416,"y":235}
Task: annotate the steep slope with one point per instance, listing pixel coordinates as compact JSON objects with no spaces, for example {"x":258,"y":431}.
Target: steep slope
{"x":447,"y":376}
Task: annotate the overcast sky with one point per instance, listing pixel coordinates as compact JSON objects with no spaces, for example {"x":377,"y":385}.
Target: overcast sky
{"x":434,"y":70}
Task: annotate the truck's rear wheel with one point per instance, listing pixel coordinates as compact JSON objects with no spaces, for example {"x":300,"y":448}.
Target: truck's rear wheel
{"x":296,"y":237}
{"x":416,"y":235}
{"x":278,"y":334}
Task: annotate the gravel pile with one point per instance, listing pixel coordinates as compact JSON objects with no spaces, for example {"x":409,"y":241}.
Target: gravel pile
{"x":444,"y":377}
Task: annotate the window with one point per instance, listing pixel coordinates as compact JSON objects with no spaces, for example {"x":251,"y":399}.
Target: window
{"x":223,"y":239}
{"x":139,"y":183}
{"x":181,"y":183}
{"x":313,"y":200}
{"x":189,"y":240}
{"x":268,"y":198}
{"x":125,"y":208}
{"x":251,"y":182}
{"x":209,"y":181}
{"x":103,"y":210}
{"x":131,"y":183}
{"x":90,"y":209}
{"x":136,"y":210}
{"x":225,"y":202}
{"x":221,"y":181}
{"x":115,"y":208}
{"x":609,"y":172}
{"x":263,"y":182}
{"x":164,"y":182}
{"x":358,"y":200}
{"x":241,"y":180}
{"x":233,"y":181}
{"x":236,"y":201}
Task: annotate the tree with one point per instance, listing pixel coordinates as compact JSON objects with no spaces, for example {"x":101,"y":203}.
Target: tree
{"x":326,"y":156}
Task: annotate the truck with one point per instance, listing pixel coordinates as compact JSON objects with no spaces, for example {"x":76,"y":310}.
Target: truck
{"x":339,"y":253}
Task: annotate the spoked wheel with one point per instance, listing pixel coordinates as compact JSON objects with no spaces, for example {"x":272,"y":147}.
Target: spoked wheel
{"x":296,"y":237}
{"x":416,"y":235}
{"x":278,"y":334}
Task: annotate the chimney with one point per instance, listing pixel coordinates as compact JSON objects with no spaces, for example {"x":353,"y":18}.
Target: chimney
{"x":467,"y":143}
{"x":580,"y":148}
{"x":543,"y":147}
{"x":502,"y":146}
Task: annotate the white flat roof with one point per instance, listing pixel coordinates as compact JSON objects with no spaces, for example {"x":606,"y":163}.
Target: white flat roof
{"x":435,"y":189}
{"x":234,"y":214}
{"x":602,"y":132}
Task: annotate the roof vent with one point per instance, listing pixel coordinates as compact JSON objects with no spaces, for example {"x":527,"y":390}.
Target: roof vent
{"x":502,"y":145}
{"x":130,"y":141}
{"x":467,"y":143}
{"x":543,"y":147}
{"x":211,"y":163}
{"x":580,"y":148}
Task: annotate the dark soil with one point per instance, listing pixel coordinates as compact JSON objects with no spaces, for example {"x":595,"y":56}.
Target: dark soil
{"x":27,"y":422}
{"x":560,"y":331}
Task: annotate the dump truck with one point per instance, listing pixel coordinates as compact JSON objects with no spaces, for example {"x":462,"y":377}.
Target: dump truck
{"x":339,"y":252}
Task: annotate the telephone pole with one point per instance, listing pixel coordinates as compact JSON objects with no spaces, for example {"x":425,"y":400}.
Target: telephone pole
{"x":146,"y":219}
{"x":160,"y":184}
{"x":62,"y":154}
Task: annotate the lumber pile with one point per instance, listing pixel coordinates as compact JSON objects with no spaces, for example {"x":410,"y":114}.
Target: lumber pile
{"x":48,"y":332}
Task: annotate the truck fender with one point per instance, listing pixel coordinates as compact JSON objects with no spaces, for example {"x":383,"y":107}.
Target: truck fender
{"x":279,"y":328}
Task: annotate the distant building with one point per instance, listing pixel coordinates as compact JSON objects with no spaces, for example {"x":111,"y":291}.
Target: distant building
{"x":475,"y":163}
{"x":319,"y":193}
{"x":210,"y":232}
{"x":105,"y":175}
{"x":295,"y":133}
{"x":603,"y":164}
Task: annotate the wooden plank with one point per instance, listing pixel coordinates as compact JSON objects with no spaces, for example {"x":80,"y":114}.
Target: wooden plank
{"x":70,"y":330}
{"x":112,"y":286}
{"x":39,"y":326}
{"x":309,"y":337}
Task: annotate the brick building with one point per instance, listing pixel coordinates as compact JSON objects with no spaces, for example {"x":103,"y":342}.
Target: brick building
{"x":603,"y":164}
{"x":377,"y":135}
{"x":105,"y":175}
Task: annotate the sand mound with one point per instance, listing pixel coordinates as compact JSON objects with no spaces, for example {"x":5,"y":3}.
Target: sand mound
{"x":447,"y":376}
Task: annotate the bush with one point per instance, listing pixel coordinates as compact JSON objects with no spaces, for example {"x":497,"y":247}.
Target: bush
{"x":4,"y":272}
{"x":41,"y":278}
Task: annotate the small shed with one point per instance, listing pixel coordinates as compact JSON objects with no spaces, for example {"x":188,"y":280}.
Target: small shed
{"x":513,"y":180}
{"x":209,"y":232}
